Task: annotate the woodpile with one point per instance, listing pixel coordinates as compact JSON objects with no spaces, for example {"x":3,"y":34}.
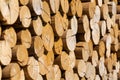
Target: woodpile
{"x":59,"y":40}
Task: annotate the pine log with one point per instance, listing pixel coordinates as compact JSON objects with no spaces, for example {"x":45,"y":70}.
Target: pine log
{"x":63,"y":60}
{"x":54,"y":5}
{"x":74,"y":25}
{"x":81,"y":53}
{"x":90,"y":45}
{"x":76,"y":77}
{"x":20,"y":54}
{"x":39,"y":77}
{"x":101,"y":67}
{"x":50,"y":75}
{"x":97,"y":14}
{"x":9,"y":11}
{"x":69,"y":40}
{"x":96,"y":34}
{"x":115,"y":45}
{"x":10,"y":71}
{"x":102,"y":25}
{"x":45,"y":12}
{"x":115,"y":29}
{"x":83,"y":24}
{"x":100,"y":48}
{"x":95,"y":58}
{"x":65,"y":22}
{"x":81,"y":67}
{"x":24,"y":38}
{"x":56,"y":22}
{"x":104,"y":11}
{"x":48,"y":37}
{"x":64,"y":7}
{"x":72,"y":59}
{"x":24,"y":17}
{"x":36,"y":7}
{"x":69,"y":74}
{"x":72,"y":8}
{"x":90,"y":71}
{"x":97,"y":77}
{"x":10,"y":36}
{"x":118,"y":9}
{"x":5,"y":53}
{"x":23,"y":2}
{"x":112,"y":8}
{"x":37,"y":48}
{"x":36,"y":26}
{"x":57,"y":72}
{"x":22,"y":75}
{"x":109,"y":23}
{"x":89,"y":9}
{"x":109,"y":64}
{"x":99,"y":2}
{"x":43,"y":68}
{"x":79,"y":8}
{"x":58,"y":46}
{"x":50,"y":58}
{"x":32,"y":69}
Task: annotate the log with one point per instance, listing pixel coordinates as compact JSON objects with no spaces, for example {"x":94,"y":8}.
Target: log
{"x":83,"y":24}
{"x":69,"y":74}
{"x":72,"y":59}
{"x":114,"y":45}
{"x":37,"y":48}
{"x":95,"y":33}
{"x":88,"y":9}
{"x":58,"y":46}
{"x":43,"y":68}
{"x":112,"y":8}
{"x":24,"y":38}
{"x":57,"y":72}
{"x":69,"y":40}
{"x":81,"y":53}
{"x":45,"y":12}
{"x":79,"y":8}
{"x":74,"y":25}
{"x":55,"y":23}
{"x":36,"y":7}
{"x":109,"y":64}
{"x":50,"y":74}
{"x":65,"y":22}
{"x":32,"y":69}
{"x":90,"y":71}
{"x":5,"y":53}
{"x":81,"y":67}
{"x":50,"y":58}
{"x":109,"y":23}
{"x":101,"y":67}
{"x":54,"y":5}
{"x":48,"y":37}
{"x":39,"y":77}
{"x":103,"y":27}
{"x":104,"y":11}
{"x":64,"y":7}
{"x":0,"y":30}
{"x":9,"y":11}
{"x":63,"y":60}
{"x":97,"y":77}
{"x":97,"y":14}
{"x":115,"y":29}
{"x":99,"y":2}
{"x":72,"y":8}
{"x":10,"y":36}
{"x":24,"y":17}
{"x":95,"y":58}
{"x":20,"y":54}
{"x":10,"y":71}
{"x":23,"y":2}
{"x":90,"y":45}
{"x":22,"y":75}
{"x":36,"y":26}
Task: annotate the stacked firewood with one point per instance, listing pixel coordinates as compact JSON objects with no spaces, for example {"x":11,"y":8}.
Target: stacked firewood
{"x":59,"y":39}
